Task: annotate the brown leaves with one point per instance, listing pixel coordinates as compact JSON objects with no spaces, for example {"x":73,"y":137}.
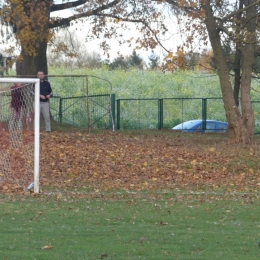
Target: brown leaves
{"x":106,"y":161}
{"x":48,"y":247}
{"x":143,"y":162}
{"x":174,"y":62}
{"x":142,"y":239}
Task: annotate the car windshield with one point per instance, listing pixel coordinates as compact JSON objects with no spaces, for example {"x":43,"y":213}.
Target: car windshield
{"x":186,"y":125}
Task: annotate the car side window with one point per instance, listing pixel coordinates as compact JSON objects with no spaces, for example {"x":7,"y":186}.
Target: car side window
{"x":222,"y":126}
{"x":210,"y":126}
{"x":199,"y":127}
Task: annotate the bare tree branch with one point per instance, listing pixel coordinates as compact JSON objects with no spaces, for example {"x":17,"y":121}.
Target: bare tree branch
{"x":63,"y":6}
{"x":139,"y":21}
{"x":66,"y":21}
{"x":227,"y":17}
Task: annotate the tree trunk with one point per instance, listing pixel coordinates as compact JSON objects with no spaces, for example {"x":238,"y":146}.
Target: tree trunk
{"x":237,"y":69}
{"x":31,"y":25}
{"x":240,"y":125}
{"x":236,"y":128}
{"x":28,"y":66}
{"x":238,"y":54}
{"x":248,"y":58}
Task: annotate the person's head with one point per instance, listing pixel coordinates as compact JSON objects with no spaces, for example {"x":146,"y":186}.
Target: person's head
{"x":40,"y":75}
{"x":18,"y":84}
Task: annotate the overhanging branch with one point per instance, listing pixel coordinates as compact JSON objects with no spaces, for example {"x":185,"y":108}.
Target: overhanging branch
{"x":60,"y":7}
{"x":66,"y":21}
{"x":139,"y":21}
{"x":227,"y":17}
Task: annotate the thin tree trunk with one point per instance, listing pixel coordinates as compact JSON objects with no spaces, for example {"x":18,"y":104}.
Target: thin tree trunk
{"x":248,"y":58}
{"x":238,"y":54}
{"x":235,"y":126}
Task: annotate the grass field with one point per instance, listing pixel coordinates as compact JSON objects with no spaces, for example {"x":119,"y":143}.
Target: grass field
{"x":143,"y":225}
{"x":136,"y":195}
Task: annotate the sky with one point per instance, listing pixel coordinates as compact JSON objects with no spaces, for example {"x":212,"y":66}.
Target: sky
{"x":123,"y":49}
{"x":173,"y":39}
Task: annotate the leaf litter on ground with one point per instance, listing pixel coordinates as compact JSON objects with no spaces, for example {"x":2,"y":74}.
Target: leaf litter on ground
{"x":144,"y":160}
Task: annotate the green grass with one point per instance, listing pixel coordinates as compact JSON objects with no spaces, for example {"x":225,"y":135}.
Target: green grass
{"x":119,"y":225}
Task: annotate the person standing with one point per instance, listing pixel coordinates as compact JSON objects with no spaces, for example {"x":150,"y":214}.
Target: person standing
{"x":16,"y":107}
{"x":45,"y":95}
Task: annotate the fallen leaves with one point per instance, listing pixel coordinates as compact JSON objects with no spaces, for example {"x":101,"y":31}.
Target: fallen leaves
{"x":155,"y":161}
{"x":48,"y":247}
{"x":142,"y":239}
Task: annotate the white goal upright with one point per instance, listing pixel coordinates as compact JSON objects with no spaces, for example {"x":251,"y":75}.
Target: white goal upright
{"x":20,"y":132}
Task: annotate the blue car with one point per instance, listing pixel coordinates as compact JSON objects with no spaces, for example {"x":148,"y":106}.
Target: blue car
{"x":196,"y":126}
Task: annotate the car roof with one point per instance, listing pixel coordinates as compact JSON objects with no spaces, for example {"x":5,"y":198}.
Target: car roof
{"x":187,"y":125}
{"x":199,"y":120}
{"x":191,"y":123}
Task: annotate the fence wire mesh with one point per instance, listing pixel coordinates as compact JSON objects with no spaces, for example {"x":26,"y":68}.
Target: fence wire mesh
{"x":167,"y":112}
{"x":82,"y":101}
{"x":138,"y":114}
{"x":93,"y":111}
{"x":215,"y":109}
{"x":256,"y":108}
{"x":100,"y":111}
{"x":176,"y":111}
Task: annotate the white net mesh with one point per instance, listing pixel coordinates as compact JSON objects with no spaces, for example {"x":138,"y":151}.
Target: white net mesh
{"x":16,"y":133}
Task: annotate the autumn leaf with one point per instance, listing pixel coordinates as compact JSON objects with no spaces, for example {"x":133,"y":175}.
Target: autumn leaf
{"x":48,"y":247}
{"x":142,"y":238}
{"x":153,"y":163}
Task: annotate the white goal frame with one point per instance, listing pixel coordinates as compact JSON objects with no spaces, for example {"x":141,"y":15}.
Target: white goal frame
{"x":35,"y":81}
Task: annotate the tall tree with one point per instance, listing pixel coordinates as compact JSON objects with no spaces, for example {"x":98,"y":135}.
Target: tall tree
{"x":136,"y":61}
{"x":236,"y":22}
{"x":120,"y":62}
{"x":34,"y":24}
{"x":127,"y":62}
{"x":69,"y":51}
{"x":154,"y":61}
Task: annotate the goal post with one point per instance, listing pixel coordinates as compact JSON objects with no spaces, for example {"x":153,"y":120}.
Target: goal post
{"x":12,"y":117}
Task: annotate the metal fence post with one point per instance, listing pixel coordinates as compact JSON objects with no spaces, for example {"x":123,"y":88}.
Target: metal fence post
{"x":113,"y":110}
{"x":118,"y":114}
{"x":60,"y":110}
{"x":204,"y":113}
{"x":160,"y":114}
{"x":87,"y":106}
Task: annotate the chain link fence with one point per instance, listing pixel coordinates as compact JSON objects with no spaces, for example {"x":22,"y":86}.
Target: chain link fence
{"x":93,"y":111}
{"x":81,"y":100}
{"x":87,"y":101}
{"x":168,"y":112}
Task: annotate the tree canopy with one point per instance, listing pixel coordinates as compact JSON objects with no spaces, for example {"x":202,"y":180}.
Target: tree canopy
{"x":218,"y":23}
{"x":126,"y":62}
{"x":34,"y":24}
{"x":69,"y":51}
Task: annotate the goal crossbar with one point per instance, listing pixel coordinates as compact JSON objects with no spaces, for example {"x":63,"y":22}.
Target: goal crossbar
{"x":36,"y":82}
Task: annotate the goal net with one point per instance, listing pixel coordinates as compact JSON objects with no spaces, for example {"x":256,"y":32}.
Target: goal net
{"x":19,"y":133}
